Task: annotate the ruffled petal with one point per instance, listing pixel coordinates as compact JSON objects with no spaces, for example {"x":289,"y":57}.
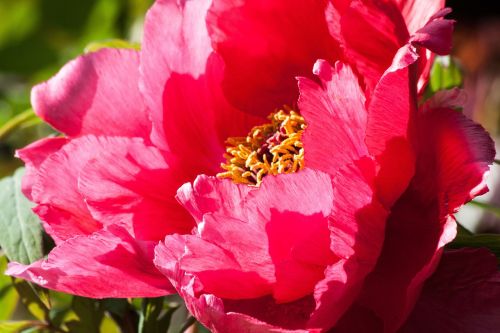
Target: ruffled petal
{"x":95,"y":94}
{"x":265,"y":45}
{"x":108,"y":263}
{"x":221,"y":316}
{"x":335,"y":116}
{"x":211,"y":195}
{"x":60,"y":204}
{"x":134,"y":185}
{"x":463,"y":295}
{"x":33,"y":156}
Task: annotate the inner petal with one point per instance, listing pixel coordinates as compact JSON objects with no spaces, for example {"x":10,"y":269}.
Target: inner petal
{"x":272,"y":148}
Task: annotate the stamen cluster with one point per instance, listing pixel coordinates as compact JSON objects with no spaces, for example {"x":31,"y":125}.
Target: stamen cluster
{"x":269,"y":149}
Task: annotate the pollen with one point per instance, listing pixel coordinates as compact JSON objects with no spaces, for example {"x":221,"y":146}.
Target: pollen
{"x":269,"y":149}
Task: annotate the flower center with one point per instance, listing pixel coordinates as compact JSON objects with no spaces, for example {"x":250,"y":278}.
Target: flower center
{"x":268,"y":149}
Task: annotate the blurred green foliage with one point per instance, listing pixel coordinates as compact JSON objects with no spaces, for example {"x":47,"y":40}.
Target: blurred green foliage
{"x":37,"y":37}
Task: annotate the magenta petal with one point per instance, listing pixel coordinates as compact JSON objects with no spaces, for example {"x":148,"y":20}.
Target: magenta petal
{"x":416,"y":13}
{"x":33,"y":156}
{"x":181,"y":83}
{"x":265,"y":45}
{"x":372,"y":32}
{"x":391,"y":112}
{"x":60,"y":204}
{"x":357,"y":226}
{"x":95,"y":94}
{"x":436,"y":35}
{"x":133,"y":185}
{"x":196,"y":120}
{"x":212,"y":311}
{"x":335,"y":116}
{"x":108,"y":263}
{"x":211,"y":195}
{"x":456,"y":154}
{"x":247,"y":274}
{"x":463,"y":295}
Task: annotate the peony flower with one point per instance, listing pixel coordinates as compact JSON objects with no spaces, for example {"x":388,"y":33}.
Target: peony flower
{"x":137,"y":125}
{"x":339,"y":245}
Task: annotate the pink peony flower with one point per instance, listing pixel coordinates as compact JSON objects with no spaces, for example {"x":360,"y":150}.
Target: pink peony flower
{"x":138,"y":125}
{"x":347,"y":243}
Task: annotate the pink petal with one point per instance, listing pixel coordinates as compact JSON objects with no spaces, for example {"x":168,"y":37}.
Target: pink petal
{"x":265,"y":45}
{"x":211,"y":195}
{"x":180,"y":80}
{"x":457,"y":153}
{"x":246,"y":276}
{"x":416,"y":12}
{"x":436,"y":35}
{"x":33,"y":156}
{"x":134,"y":185}
{"x":390,"y":115}
{"x":95,"y":94}
{"x":108,"y":263}
{"x":195,"y":129}
{"x":463,"y":295}
{"x":371,"y":33}
{"x":335,"y":116}
{"x":221,"y":315}
{"x":60,"y":204}
{"x":357,"y":225}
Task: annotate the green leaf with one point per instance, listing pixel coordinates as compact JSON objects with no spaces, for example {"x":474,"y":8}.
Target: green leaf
{"x":31,"y":299}
{"x":18,"y":326}
{"x":445,"y":74}
{"x":156,"y":315}
{"x":89,"y":313}
{"x":21,"y":236}
{"x":111,"y":43}
{"x":490,"y":208}
{"x":490,"y":241}
{"x":8,"y":295}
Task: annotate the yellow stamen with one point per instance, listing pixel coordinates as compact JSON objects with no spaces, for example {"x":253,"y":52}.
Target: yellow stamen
{"x":268,"y":149}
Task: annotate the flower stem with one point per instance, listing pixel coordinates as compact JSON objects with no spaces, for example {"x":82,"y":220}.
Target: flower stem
{"x":16,"y":122}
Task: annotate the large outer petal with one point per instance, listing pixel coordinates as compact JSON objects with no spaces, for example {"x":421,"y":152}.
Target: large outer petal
{"x":463,"y":295}
{"x":181,"y":83}
{"x":453,"y":157}
{"x":265,"y":45}
{"x":108,"y":263}
{"x":134,"y":185}
{"x":95,"y":94}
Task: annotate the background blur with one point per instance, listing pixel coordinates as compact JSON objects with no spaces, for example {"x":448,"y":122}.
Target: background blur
{"x":38,"y":36}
